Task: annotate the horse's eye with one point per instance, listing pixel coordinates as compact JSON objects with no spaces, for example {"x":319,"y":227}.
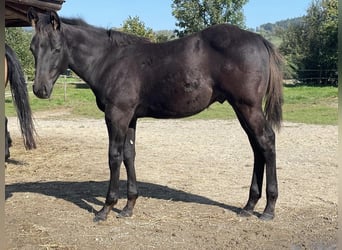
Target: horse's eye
{"x":56,"y":50}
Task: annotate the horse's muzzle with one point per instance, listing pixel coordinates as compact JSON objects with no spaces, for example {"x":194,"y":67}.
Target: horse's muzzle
{"x":41,"y":91}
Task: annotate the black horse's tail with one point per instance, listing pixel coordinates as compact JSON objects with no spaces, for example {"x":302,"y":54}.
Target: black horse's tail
{"x":274,"y":93}
{"x":20,"y":98}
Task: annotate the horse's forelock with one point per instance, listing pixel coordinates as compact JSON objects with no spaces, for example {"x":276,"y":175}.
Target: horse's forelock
{"x":42,"y":23}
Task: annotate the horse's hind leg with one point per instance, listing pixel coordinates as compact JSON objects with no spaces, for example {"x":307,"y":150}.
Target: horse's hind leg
{"x":129,"y":159}
{"x":262,"y":140}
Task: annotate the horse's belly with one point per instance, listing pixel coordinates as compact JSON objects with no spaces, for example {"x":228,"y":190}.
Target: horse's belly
{"x":181,"y":102}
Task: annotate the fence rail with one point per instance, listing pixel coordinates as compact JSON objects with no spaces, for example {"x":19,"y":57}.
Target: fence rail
{"x":61,"y":80}
{"x":318,"y":76}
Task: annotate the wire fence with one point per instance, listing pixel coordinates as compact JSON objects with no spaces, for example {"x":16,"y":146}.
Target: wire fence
{"x":62,"y":82}
{"x":318,"y":76}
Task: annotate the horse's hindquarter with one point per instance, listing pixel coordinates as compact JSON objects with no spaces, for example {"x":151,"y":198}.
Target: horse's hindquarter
{"x":242,"y":62}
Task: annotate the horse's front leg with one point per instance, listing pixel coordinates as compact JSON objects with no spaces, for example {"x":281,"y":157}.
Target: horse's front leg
{"x":117,"y":129}
{"x":129,"y":159}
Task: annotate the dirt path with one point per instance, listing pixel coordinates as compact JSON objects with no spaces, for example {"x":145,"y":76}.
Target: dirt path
{"x":193,"y":177}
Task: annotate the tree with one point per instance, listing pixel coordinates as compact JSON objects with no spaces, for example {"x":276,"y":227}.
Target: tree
{"x":311,"y":46}
{"x":134,"y":26}
{"x":195,"y":15}
{"x":19,"y":40}
{"x":164,"y":35}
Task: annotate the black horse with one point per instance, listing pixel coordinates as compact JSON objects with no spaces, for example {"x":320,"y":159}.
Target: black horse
{"x":133,"y":78}
{"x":14,"y":75}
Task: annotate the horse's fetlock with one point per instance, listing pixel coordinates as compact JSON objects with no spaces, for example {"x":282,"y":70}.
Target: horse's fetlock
{"x":132,"y":195}
{"x":112,"y":199}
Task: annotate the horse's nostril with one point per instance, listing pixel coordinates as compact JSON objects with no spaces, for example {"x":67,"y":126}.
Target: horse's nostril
{"x":35,"y":90}
{"x":45,"y":91}
{"x":40,"y":92}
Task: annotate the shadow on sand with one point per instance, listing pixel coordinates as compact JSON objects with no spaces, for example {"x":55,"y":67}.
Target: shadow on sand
{"x":83,"y":193}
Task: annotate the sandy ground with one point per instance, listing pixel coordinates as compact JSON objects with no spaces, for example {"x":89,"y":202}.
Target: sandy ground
{"x":193,"y":178}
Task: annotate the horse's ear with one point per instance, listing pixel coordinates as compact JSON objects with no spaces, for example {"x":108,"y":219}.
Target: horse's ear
{"x":32,"y":16}
{"x":54,"y":19}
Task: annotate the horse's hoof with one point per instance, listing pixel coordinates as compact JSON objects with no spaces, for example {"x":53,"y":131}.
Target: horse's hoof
{"x":245,"y":213}
{"x":266,"y":217}
{"x":124,"y":213}
{"x":99,"y":217}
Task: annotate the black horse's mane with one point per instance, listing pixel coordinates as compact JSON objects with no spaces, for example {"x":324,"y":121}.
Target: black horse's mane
{"x":76,"y":21}
{"x":116,"y":37}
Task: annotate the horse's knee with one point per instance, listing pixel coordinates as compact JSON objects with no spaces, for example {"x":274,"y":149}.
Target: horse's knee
{"x":255,"y":193}
{"x":272,"y":192}
{"x":129,"y":155}
{"x":115,"y":158}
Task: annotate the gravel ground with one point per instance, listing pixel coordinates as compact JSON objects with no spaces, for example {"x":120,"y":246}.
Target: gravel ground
{"x":193,"y":176}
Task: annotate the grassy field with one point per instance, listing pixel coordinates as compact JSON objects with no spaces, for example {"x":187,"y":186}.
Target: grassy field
{"x":313,"y":105}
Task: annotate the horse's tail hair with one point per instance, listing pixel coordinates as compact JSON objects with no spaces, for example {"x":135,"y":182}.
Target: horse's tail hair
{"x":274,"y":93}
{"x":20,"y":98}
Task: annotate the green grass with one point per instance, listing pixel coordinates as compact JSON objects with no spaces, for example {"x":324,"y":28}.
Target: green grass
{"x":80,"y":101}
{"x":312,"y":105}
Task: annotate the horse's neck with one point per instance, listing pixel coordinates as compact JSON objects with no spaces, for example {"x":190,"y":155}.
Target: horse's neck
{"x":84,"y":56}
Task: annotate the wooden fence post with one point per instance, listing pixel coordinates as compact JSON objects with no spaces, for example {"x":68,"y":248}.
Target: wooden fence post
{"x":64,"y":77}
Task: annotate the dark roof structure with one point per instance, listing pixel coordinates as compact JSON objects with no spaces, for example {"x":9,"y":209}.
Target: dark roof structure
{"x":16,"y":10}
